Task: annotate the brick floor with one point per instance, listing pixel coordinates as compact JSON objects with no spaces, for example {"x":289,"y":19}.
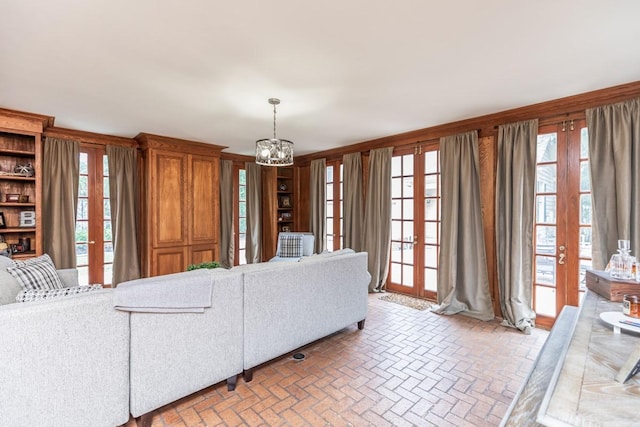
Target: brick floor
{"x":406,"y":368}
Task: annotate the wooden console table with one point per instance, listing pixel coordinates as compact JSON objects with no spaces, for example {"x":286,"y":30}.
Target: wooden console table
{"x":578,"y":388}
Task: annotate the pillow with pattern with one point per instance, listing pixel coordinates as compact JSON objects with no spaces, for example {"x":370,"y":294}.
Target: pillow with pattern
{"x":48,"y":294}
{"x":290,"y":246}
{"x":36,"y":273}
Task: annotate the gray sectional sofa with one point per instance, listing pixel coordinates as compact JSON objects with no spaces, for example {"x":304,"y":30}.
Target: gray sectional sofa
{"x":96,"y":364}
{"x":64,"y":361}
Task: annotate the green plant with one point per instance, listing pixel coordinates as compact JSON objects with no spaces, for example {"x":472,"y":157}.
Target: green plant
{"x":210,"y":264}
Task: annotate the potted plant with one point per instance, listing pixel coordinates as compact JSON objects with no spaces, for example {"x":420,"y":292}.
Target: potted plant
{"x":209,"y":264}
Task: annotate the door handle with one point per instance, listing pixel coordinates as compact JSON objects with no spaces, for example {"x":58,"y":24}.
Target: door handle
{"x":561,"y":259}
{"x":562,"y":255}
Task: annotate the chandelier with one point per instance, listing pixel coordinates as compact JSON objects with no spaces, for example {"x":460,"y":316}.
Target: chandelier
{"x":274,"y":151}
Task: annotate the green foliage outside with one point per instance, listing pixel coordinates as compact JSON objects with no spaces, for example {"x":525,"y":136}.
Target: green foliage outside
{"x":210,"y":264}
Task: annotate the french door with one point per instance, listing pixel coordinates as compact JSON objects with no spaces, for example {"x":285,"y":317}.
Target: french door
{"x":562,"y":237}
{"x":94,"y":246}
{"x":415,"y":221}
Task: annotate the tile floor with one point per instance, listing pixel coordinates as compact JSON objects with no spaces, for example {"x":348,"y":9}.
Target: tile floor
{"x":406,"y":368}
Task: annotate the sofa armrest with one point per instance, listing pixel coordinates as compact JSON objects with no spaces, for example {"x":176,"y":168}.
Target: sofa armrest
{"x":64,"y":361}
{"x":69,"y":277}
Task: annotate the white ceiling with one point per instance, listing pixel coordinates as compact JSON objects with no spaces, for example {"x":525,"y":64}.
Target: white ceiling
{"x":346,"y":71}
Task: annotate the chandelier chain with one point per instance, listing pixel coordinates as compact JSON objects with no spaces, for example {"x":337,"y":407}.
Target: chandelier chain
{"x":274,"y":121}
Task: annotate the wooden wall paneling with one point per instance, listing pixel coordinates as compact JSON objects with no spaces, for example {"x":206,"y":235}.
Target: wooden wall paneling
{"x":169,"y":260}
{"x":169,"y":201}
{"x":90,"y":138}
{"x":203,"y":253}
{"x":487,"y":151}
{"x":203,"y":199}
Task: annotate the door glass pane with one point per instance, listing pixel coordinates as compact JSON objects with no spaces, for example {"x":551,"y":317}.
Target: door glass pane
{"x":407,"y":208}
{"x":407,"y":234}
{"x":396,"y":210}
{"x":585,"y":264}
{"x":431,"y":209}
{"x":431,"y":232}
{"x":407,"y":165}
{"x":407,"y":187}
{"x":430,"y":185}
{"x":545,"y":301}
{"x":108,"y":273}
{"x":431,"y":256}
{"x":585,"y":209}
{"x":546,"y":271}
{"x":585,"y":242}
{"x":431,"y":162}
{"x":83,"y":186}
{"x":107,"y":230}
{"x":106,"y":208}
{"x":546,"y":179}
{"x":431,"y":279}
{"x":396,"y":273}
{"x":547,"y":147}
{"x":396,"y":230}
{"x":585,"y":177}
{"x":407,"y":275}
{"x":584,"y":143}
{"x":396,"y":252}
{"x":83,"y":210}
{"x":546,"y":240}
{"x":396,"y":187}
{"x":108,"y":253}
{"x":546,"y":209}
{"x":396,"y":166}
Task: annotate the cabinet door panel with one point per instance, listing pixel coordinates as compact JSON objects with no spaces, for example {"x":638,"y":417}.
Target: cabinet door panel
{"x":204,"y":192}
{"x":169,"y":212}
{"x":169,"y":260}
{"x":203,"y":253}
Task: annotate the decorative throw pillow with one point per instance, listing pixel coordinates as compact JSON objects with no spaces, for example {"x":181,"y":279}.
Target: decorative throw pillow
{"x":290,"y":246}
{"x":36,"y":273}
{"x":47,"y":294}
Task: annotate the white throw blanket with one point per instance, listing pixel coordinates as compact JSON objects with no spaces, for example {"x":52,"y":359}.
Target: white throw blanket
{"x":187,"y":292}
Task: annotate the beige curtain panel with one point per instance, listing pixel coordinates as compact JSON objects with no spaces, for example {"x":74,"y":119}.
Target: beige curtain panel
{"x":614,"y":159}
{"x":377,"y":217}
{"x":353,"y":214}
{"x":318,"y":204}
{"x":515,"y":204}
{"x":463,"y":284}
{"x":123,"y":197}
{"x":226,"y":214}
{"x":60,"y":175}
{"x":254,"y":212}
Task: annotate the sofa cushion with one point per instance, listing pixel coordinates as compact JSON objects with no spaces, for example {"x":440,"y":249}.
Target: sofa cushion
{"x":36,"y":273}
{"x":290,"y":246}
{"x":47,"y":294}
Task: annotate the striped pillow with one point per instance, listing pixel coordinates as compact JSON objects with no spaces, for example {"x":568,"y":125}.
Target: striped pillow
{"x":290,"y":246}
{"x":36,"y":273}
